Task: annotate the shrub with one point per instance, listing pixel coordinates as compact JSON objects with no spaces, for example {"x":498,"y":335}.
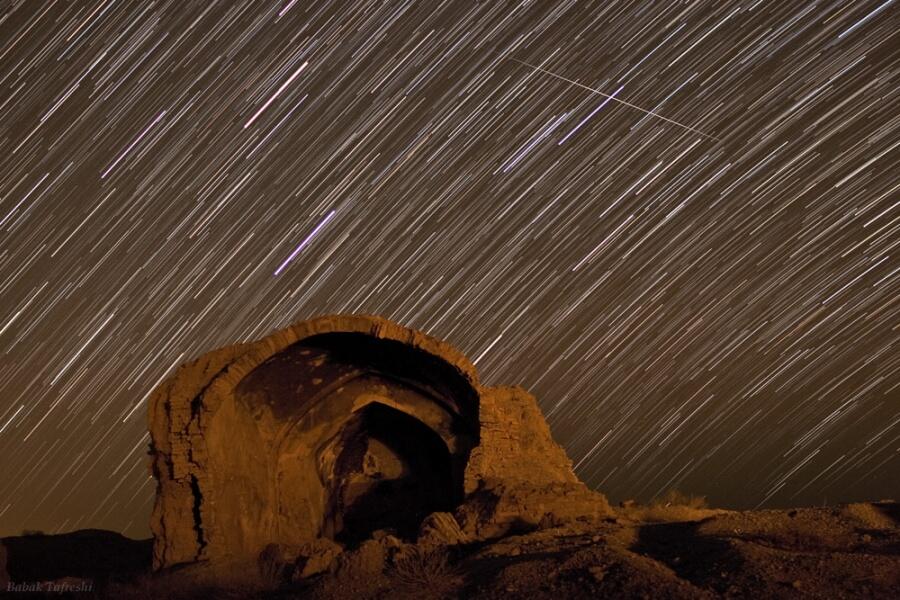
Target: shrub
{"x":425,"y":573}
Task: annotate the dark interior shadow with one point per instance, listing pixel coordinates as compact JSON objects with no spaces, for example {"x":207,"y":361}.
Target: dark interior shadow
{"x":698,"y":559}
{"x":91,"y":554}
{"x":397,"y":503}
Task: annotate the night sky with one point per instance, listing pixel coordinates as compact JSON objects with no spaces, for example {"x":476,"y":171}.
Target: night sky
{"x":676,"y":223}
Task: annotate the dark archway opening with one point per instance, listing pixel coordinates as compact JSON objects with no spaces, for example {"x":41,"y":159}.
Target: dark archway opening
{"x":392,"y":471}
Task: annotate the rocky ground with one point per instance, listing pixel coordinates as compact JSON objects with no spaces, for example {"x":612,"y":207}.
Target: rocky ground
{"x":851,"y":551}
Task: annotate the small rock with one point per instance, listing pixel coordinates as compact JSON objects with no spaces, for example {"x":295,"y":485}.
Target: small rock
{"x":515,"y":551}
{"x":382,"y":533}
{"x":597,"y":538}
{"x":866,"y":538}
{"x":390,"y":541}
{"x":797,"y":584}
{"x":441,"y":528}
{"x":368,"y":559}
{"x":315,"y":557}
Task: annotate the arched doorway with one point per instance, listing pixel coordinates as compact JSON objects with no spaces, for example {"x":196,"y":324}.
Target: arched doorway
{"x":391,"y":470}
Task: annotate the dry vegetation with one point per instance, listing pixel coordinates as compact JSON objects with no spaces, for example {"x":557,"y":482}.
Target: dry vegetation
{"x":423,"y":569}
{"x":672,"y":506}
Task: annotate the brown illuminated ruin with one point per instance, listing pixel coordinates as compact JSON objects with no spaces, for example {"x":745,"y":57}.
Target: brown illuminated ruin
{"x":340,"y":426}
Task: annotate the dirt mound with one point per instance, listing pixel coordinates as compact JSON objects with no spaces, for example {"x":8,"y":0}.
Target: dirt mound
{"x":802,"y":553}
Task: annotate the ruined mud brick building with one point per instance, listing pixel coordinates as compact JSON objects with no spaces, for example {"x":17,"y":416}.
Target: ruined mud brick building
{"x":337,"y":427}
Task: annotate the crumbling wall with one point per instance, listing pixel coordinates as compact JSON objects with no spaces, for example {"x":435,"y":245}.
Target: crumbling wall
{"x":176,"y":439}
{"x":515,"y":443}
{"x":518,"y":477}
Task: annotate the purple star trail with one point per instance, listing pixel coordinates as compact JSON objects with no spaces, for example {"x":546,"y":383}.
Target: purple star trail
{"x":303,"y":243}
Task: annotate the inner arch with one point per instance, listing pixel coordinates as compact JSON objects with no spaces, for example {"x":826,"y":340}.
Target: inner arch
{"x":390,"y":472}
{"x":357,"y":433}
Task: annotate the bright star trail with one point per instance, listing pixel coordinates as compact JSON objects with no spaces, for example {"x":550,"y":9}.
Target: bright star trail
{"x":701,"y":285}
{"x":303,"y":243}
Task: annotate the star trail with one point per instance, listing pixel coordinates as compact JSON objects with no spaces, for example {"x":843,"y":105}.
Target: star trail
{"x":676,"y":223}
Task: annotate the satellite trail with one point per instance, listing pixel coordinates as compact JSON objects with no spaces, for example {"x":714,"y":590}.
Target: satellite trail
{"x":614,"y":99}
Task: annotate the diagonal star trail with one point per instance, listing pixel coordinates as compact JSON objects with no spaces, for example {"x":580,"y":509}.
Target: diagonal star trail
{"x":303,"y":244}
